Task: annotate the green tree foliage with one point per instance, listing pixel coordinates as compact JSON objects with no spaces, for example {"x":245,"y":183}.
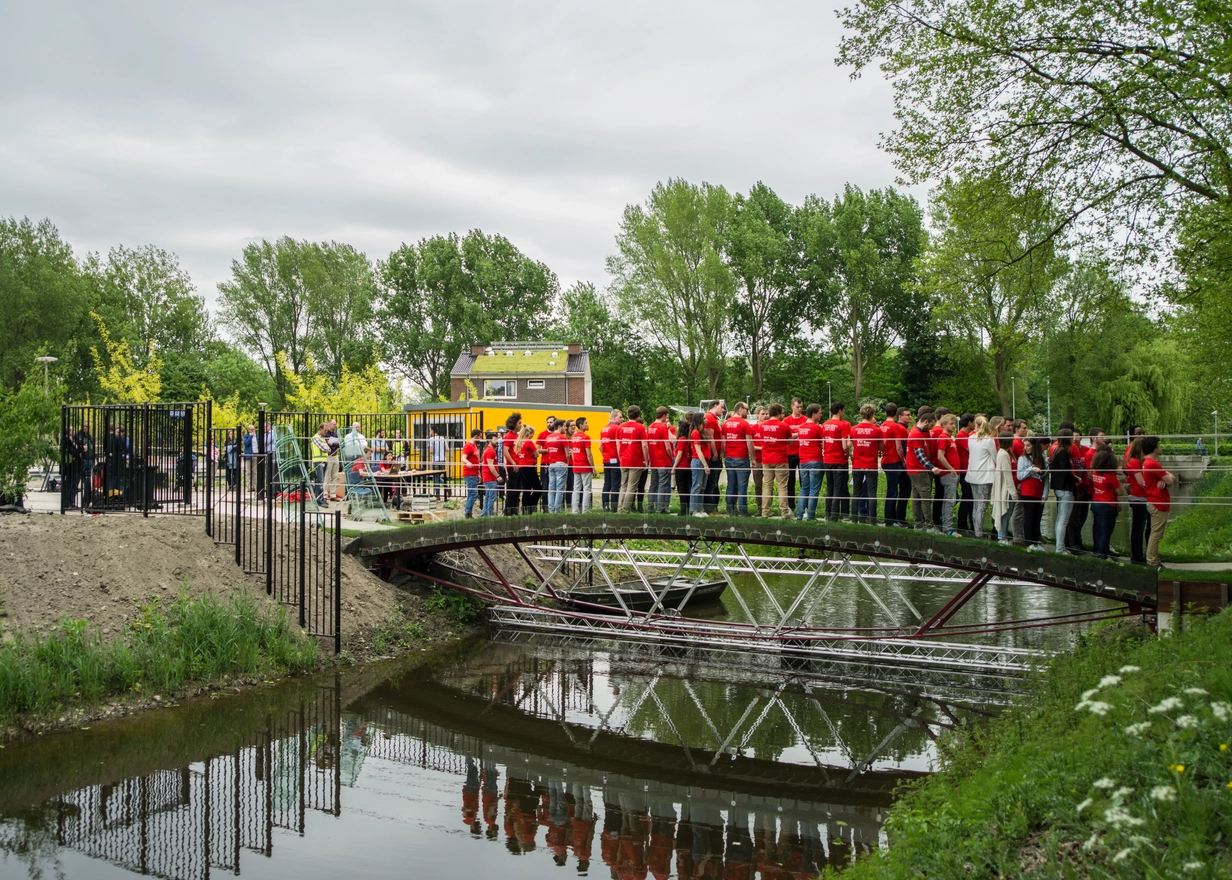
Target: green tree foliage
{"x":44,"y":300}
{"x":765,"y":253}
{"x":877,"y":237}
{"x":991,"y":271}
{"x":31,"y":418}
{"x":671,"y":280}
{"x":301,"y":299}
{"x":447,"y":293}
{"x":1111,"y":106}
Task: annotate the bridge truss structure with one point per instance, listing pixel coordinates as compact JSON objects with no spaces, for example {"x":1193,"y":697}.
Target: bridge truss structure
{"x":583,"y":571}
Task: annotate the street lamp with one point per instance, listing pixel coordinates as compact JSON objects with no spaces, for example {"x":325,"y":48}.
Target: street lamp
{"x":1013,"y":397}
{"x":1049,"y":381}
{"x":1215,"y":413}
{"x":829,"y":397}
{"x":45,"y":360}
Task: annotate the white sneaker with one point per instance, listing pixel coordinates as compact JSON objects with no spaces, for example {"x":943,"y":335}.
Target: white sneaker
{"x":701,"y":514}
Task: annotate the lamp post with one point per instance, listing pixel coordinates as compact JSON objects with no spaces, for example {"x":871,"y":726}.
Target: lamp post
{"x":45,"y":360}
{"x":1215,"y":413}
{"x":829,"y":396}
{"x":1013,"y":397}
{"x":1049,"y":381}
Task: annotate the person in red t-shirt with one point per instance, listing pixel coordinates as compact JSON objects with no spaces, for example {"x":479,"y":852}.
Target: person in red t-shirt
{"x":966,"y":427}
{"x":774,"y":438}
{"x":611,"y":461}
{"x":1106,"y":494}
{"x":920,"y":470}
{"x":737,"y":456}
{"x":893,"y":462}
{"x":809,"y":435}
{"x":552,"y":452}
{"x":659,"y":438}
{"x":835,"y":449}
{"x":1140,"y":517}
{"x":866,"y":442}
{"x":1156,"y":479}
{"x":793,"y":422}
{"x":583,"y":467}
{"x":712,"y":432}
{"x":490,"y":474}
{"x":945,"y":453}
{"x":1018,"y":524}
{"x":634,"y":452}
{"x":470,"y":472}
{"x":509,"y":459}
{"x":757,"y":466}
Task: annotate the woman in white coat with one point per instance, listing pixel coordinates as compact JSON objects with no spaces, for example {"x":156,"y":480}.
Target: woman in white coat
{"x":981,"y":466}
{"x":1003,"y":492}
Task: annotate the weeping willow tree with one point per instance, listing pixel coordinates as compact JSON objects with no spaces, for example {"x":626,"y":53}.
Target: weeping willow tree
{"x":1147,"y":392}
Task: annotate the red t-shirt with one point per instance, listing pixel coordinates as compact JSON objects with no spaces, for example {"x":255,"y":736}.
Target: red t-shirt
{"x":695,"y":440}
{"x":1031,"y":487}
{"x":794,"y":423}
{"x":1152,"y":473}
{"x":810,"y":436}
{"x":736,"y":432}
{"x":684,"y":448}
{"x":835,"y":431}
{"x":865,"y":446}
{"x":1104,"y":486}
{"x":758,"y":441}
{"x":527,"y":453}
{"x":891,"y":430}
{"x":1133,"y":470}
{"x":944,"y":443}
{"x":554,"y":448}
{"x":629,"y":437}
{"x":607,"y":442}
{"x":916,"y":439}
{"x":509,"y":442}
{"x":580,"y":442}
{"x":470,"y":459}
{"x":716,"y":445}
{"x":774,"y":437}
{"x":541,"y":439}
{"x":489,"y":457}
{"x":660,"y":437}
{"x":964,"y":452}
{"x":1019,"y":449}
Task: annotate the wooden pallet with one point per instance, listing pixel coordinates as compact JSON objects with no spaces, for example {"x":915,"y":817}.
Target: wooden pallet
{"x":417,"y":516}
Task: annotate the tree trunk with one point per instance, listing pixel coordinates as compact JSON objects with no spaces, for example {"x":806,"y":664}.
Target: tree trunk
{"x":857,"y":368}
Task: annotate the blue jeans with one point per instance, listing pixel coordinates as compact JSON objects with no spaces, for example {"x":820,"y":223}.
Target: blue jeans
{"x":810,"y":489}
{"x":659,"y":492}
{"x":489,"y":497}
{"x":472,"y":493}
{"x":582,"y":492}
{"x":1105,"y":522}
{"x":837,"y":502}
{"x":898,"y":490}
{"x":737,"y":486}
{"x":865,"y":486}
{"x":1065,"y":505}
{"x":318,"y":482}
{"x":697,"y":491}
{"x":558,"y":475}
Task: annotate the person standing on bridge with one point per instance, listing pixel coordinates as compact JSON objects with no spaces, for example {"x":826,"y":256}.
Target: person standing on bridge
{"x":1004,"y":488}
{"x":509,"y":453}
{"x":793,"y":422}
{"x":1061,"y":476}
{"x":583,"y":467}
{"x":893,"y":458}
{"x":611,"y":461}
{"x":633,"y":452}
{"x":1107,"y":493}
{"x":966,"y":430}
{"x":774,"y":438}
{"x":757,"y":467}
{"x":1140,"y":517}
{"x":682,"y":464}
{"x":470,"y":472}
{"x":981,"y":465}
{"x":712,"y":431}
{"x":921,"y":470}
{"x":491,"y":475}
{"x":662,"y":453}
{"x":699,"y":465}
{"x":866,"y":442}
{"x":738,"y":455}
{"x":835,"y":449}
{"x":946,"y":452}
{"x":1158,"y":498}
{"x":1031,"y":473}
{"x":553,"y":451}
{"x":809,"y":435}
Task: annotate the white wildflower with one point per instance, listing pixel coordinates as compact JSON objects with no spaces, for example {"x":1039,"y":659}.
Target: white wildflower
{"x":1091,"y":842}
{"x":1109,"y":681}
{"x":1118,"y":816}
{"x":1195,"y":692}
{"x":1187,"y":721}
{"x":1082,"y":806}
{"x":1126,"y":670}
{"x":1086,"y":695}
{"x":1166,"y":706}
{"x":1192,"y":866}
{"x":1221,"y":710}
{"x":1098,"y":708}
{"x":1104,"y":783}
{"x":1163,"y":793}
{"x":1123,"y":855}
{"x":1121,"y":793}
{"x":1139,"y":728}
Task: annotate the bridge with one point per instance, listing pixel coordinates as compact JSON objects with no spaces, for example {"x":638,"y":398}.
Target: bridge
{"x":609,"y":576}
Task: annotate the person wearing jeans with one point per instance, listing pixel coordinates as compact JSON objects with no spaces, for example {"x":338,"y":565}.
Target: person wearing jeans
{"x":1061,"y":476}
{"x":1158,"y":497}
{"x":809,"y":437}
{"x":699,"y":467}
{"x":558,"y":475}
{"x":583,"y":467}
{"x":738,"y":449}
{"x":947,"y":457}
{"x":810,"y":490}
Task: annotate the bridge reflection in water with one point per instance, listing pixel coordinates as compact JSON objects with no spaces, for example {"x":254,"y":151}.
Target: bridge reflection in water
{"x":651,"y":760}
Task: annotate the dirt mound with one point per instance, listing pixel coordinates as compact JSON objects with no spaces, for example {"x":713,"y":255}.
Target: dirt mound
{"x":103,"y":568}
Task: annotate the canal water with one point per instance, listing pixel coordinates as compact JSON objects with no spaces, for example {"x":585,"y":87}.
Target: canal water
{"x":522,"y":756}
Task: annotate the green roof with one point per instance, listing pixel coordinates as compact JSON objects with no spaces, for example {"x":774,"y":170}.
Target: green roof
{"x":520,"y":362}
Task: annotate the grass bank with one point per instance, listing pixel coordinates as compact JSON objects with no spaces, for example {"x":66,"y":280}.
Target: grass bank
{"x":163,"y":648}
{"x":1119,"y":766}
{"x":1203,"y":533}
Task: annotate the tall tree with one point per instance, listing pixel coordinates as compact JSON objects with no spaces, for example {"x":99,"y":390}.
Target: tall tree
{"x":340,"y":307}
{"x":765,"y":255}
{"x":449,"y":292}
{"x":146,"y":298}
{"x":988,"y":277}
{"x":1111,"y":106}
{"x":619,"y":362}
{"x":671,"y":280}
{"x":877,"y":237}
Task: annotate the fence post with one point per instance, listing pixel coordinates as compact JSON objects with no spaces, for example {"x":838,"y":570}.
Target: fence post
{"x":65,"y":443}
{"x":145,"y":462}
{"x":269,"y":525}
{"x":303,"y":552}
{"x":240,"y":489}
{"x":211,"y":451}
{"x":262,"y":477}
{"x":337,"y":581}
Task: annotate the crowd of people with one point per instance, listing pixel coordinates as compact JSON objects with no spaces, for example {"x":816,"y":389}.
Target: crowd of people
{"x":960,"y":474}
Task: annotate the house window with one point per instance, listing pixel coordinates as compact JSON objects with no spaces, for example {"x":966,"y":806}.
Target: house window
{"x":535,"y":384}
{"x":498,"y":389}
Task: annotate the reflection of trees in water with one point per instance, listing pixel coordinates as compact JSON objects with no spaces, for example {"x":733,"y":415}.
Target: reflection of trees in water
{"x":29,"y":836}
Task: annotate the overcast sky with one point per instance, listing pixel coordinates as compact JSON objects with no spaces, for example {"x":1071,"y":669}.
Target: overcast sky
{"x":202,"y":127}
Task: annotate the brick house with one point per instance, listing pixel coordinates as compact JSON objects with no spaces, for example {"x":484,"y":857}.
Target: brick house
{"x":525,"y":372}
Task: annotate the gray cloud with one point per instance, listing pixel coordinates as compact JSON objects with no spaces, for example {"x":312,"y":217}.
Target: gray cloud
{"x":201,"y":129}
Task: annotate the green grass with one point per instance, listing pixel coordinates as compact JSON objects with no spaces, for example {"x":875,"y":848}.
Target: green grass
{"x":1119,"y":766}
{"x":191,"y":639}
{"x":1203,"y":533}
{"x":397,"y":631}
